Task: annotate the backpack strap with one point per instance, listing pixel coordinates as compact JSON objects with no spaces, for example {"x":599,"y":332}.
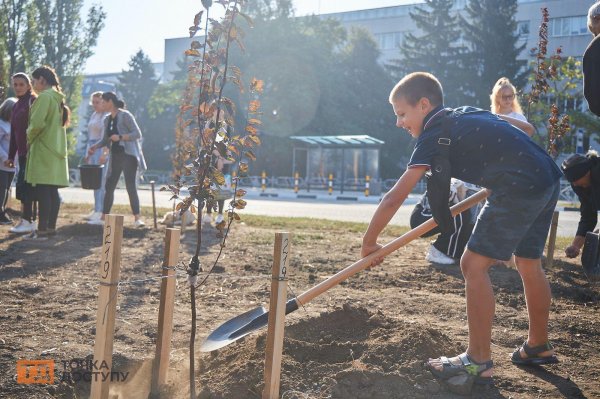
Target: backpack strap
{"x":438,"y":179}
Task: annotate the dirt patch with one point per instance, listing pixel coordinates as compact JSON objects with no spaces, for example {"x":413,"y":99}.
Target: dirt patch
{"x":366,"y":338}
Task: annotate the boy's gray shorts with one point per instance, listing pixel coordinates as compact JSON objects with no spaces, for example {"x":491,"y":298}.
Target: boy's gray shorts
{"x":516,"y":224}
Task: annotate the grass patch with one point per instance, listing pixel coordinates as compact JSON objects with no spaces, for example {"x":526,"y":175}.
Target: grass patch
{"x":267,"y":222}
{"x":280,"y":223}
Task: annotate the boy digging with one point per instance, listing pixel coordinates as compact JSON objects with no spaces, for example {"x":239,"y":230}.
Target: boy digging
{"x":524,"y":181}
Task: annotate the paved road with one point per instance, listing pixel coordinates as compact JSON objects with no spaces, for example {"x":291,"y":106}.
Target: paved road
{"x":286,"y":204}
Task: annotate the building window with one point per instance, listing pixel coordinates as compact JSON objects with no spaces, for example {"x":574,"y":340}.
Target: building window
{"x":523,"y":29}
{"x":389,"y":41}
{"x":568,"y":26}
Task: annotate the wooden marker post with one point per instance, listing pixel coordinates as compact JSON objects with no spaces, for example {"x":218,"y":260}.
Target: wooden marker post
{"x":274,"y":348}
{"x":110,"y":267}
{"x":165,"y":311}
{"x":153,"y":204}
{"x":552,"y":239}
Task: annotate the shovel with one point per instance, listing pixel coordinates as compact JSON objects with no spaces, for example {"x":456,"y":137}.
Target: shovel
{"x":255,"y":319}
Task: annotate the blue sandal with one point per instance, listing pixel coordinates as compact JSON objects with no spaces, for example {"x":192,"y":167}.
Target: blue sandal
{"x":460,"y":378}
{"x":533,"y":358}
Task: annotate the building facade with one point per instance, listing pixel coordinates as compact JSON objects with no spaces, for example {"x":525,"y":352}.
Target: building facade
{"x":389,"y":26}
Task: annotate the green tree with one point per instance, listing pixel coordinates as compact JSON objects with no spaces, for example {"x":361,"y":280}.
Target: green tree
{"x":66,"y":40}
{"x":19,"y":37}
{"x":490,"y":31}
{"x":437,"y":50}
{"x":137,"y":84}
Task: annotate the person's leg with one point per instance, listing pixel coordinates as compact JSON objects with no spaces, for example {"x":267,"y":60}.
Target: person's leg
{"x":538,"y":295}
{"x":99,"y":193}
{"x":54,"y":207}
{"x":480,"y":304}
{"x":42,"y":194}
{"x":480,"y":310}
{"x":130,"y":171}
{"x":5,"y":180}
{"x":448,"y":242}
{"x":24,"y":191}
{"x":538,"y":298}
{"x":116,"y":167}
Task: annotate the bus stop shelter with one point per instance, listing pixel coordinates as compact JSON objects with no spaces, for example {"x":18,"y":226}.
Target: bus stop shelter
{"x":348,"y":158}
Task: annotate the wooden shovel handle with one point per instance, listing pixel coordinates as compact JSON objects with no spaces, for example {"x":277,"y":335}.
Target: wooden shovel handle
{"x":387,"y":249}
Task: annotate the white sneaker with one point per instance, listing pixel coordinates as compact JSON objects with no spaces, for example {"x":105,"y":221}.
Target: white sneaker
{"x":436,"y":256}
{"x":90,"y":215}
{"x":24,"y":226}
{"x":219,"y":218}
{"x":95,"y":216}
{"x":206,"y":219}
{"x":139,"y":223}
{"x":98,"y":222}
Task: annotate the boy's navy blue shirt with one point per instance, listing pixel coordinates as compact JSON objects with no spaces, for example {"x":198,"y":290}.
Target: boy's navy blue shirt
{"x":487,"y":151}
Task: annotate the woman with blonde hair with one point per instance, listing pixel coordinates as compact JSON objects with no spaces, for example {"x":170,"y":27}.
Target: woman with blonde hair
{"x":505,"y":104}
{"x":99,"y":156}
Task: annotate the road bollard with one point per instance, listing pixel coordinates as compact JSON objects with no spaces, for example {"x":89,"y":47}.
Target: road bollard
{"x":296,"y":176}
{"x":367,"y":185}
{"x":330,"y":189}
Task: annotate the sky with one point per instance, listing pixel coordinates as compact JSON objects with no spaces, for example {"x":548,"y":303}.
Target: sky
{"x":144,"y":24}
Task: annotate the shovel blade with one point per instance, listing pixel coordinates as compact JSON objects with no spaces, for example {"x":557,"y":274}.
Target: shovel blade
{"x":226,"y":332}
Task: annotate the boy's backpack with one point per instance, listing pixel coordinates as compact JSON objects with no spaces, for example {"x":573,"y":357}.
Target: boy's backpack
{"x":438,"y":180}
{"x":590,"y":256}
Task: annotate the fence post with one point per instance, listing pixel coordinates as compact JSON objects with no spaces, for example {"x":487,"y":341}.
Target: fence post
{"x":367,"y":184}
{"x":552,"y":239}
{"x":276,"y":316}
{"x":165,"y":311}
{"x":110,"y":266}
{"x":330,"y":184}
{"x":152,"y":182}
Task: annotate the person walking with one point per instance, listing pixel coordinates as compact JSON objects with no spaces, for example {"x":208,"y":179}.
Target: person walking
{"x":99,"y":156}
{"x":19,"y":120}
{"x":47,"y":166}
{"x":123,"y":135}
{"x":7,"y":170}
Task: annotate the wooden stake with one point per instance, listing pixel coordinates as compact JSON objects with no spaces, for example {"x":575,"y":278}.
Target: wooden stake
{"x":274,"y":348}
{"x":165,"y":311}
{"x":110,"y":267}
{"x":153,"y":204}
{"x":552,"y":239}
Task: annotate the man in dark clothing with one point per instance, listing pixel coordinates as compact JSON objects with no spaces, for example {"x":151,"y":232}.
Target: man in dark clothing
{"x":591,"y":62}
{"x":583,"y":172}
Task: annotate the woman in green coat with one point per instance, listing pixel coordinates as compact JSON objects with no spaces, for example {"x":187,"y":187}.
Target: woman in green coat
{"x":47,"y":167}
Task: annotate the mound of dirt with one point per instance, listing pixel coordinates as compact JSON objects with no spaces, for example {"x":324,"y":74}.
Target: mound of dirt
{"x":348,"y":353}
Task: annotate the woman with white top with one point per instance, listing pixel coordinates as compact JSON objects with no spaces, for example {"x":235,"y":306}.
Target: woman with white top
{"x":7,"y":172}
{"x":505,"y":104}
{"x":100,"y":155}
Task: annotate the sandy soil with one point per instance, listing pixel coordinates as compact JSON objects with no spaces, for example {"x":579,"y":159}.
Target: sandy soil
{"x":366,"y":338}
